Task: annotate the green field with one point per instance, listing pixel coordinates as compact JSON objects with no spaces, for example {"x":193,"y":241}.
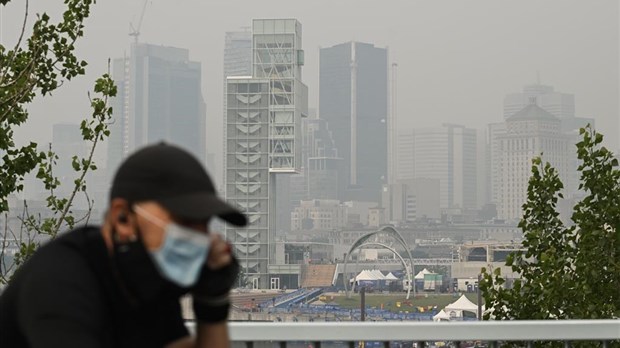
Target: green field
{"x":390,"y":301}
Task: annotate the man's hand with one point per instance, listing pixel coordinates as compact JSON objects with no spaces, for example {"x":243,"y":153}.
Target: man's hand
{"x":219,"y":253}
{"x":217,"y":277}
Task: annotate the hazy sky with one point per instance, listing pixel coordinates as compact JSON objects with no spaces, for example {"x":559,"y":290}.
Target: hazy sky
{"x":457,"y":59}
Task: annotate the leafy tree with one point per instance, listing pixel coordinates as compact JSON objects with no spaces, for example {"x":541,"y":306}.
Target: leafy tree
{"x":36,"y":66}
{"x":567,"y":272}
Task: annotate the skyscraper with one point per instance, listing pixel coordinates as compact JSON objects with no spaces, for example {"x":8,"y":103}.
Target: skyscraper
{"x":405,"y":155}
{"x":560,"y":105}
{"x":526,"y":134}
{"x":353,"y":98}
{"x":67,"y":142}
{"x":449,"y":153}
{"x":159,"y":98}
{"x":323,"y":165}
{"x":238,"y":53}
{"x":237,"y":62}
{"x":263,"y":138}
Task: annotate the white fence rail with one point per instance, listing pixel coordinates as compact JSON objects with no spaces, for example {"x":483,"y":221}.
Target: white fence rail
{"x":489,"y":333}
{"x":560,"y":330}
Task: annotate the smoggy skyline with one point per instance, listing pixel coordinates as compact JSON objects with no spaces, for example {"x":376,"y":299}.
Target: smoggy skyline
{"x":456,"y":60}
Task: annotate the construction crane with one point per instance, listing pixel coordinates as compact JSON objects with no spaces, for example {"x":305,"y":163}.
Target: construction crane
{"x":135,"y":32}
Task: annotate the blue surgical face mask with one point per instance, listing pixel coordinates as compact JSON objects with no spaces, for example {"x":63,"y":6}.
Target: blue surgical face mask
{"x":182,"y":254}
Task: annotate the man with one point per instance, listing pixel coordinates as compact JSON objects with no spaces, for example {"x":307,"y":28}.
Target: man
{"x":119,"y":285}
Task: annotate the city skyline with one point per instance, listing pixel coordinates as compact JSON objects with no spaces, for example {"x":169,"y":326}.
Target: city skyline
{"x":564,"y":104}
{"x":473,"y":67}
{"x":560,"y":104}
{"x":458,"y":141}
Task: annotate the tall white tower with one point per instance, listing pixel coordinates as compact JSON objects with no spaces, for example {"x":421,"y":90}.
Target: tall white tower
{"x":263,"y":138}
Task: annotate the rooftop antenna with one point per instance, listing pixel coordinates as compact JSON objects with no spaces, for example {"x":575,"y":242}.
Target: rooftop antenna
{"x":135,"y":32}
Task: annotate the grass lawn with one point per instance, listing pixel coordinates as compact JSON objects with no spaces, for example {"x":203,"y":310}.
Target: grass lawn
{"x":390,"y":301}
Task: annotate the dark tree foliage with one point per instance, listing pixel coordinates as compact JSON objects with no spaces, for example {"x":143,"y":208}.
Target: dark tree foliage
{"x":567,"y":272}
{"x":37,"y":65}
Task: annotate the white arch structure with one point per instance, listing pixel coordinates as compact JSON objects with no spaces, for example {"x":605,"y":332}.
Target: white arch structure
{"x":365,"y":240}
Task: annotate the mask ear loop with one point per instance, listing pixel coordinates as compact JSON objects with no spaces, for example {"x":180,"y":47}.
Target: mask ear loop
{"x":149,"y":216}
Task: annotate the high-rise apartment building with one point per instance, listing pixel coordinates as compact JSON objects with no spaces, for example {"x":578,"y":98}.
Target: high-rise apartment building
{"x":159,"y":98}
{"x":263,"y":131}
{"x":353,"y":98}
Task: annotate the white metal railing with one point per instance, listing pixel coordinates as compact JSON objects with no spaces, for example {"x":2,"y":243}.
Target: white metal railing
{"x":490,"y":333}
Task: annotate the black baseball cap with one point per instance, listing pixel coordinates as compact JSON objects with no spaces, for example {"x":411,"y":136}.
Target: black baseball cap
{"x":175,"y":179}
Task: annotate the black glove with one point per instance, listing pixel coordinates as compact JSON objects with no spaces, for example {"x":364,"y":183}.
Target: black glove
{"x":210,"y":294}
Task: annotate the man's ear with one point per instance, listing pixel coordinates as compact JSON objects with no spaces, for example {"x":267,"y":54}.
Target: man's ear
{"x":120,"y":217}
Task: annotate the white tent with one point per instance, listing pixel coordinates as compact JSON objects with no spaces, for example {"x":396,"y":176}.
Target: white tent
{"x":377,"y":274}
{"x":365,"y":275}
{"x":461,"y":305}
{"x":421,"y":274}
{"x":441,"y":316}
{"x":390,"y":276}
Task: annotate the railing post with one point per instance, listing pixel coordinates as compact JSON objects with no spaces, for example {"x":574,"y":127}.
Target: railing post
{"x":363,"y":303}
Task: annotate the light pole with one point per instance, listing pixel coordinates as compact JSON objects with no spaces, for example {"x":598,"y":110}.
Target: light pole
{"x":479,"y":298}
{"x":363,"y":303}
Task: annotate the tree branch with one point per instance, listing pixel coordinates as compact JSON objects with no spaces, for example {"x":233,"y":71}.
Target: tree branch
{"x":19,"y":41}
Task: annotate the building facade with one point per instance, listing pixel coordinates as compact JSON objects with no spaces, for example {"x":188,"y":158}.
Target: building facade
{"x":263,"y":130}
{"x":449,"y":153}
{"x":319,"y":214}
{"x":412,"y":199}
{"x":353,"y":98}
{"x":526,"y":134}
{"x":560,"y":105}
{"x":238,"y":53}
{"x":323,"y":166}
{"x":159,"y":98}
{"x":405,"y":154}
